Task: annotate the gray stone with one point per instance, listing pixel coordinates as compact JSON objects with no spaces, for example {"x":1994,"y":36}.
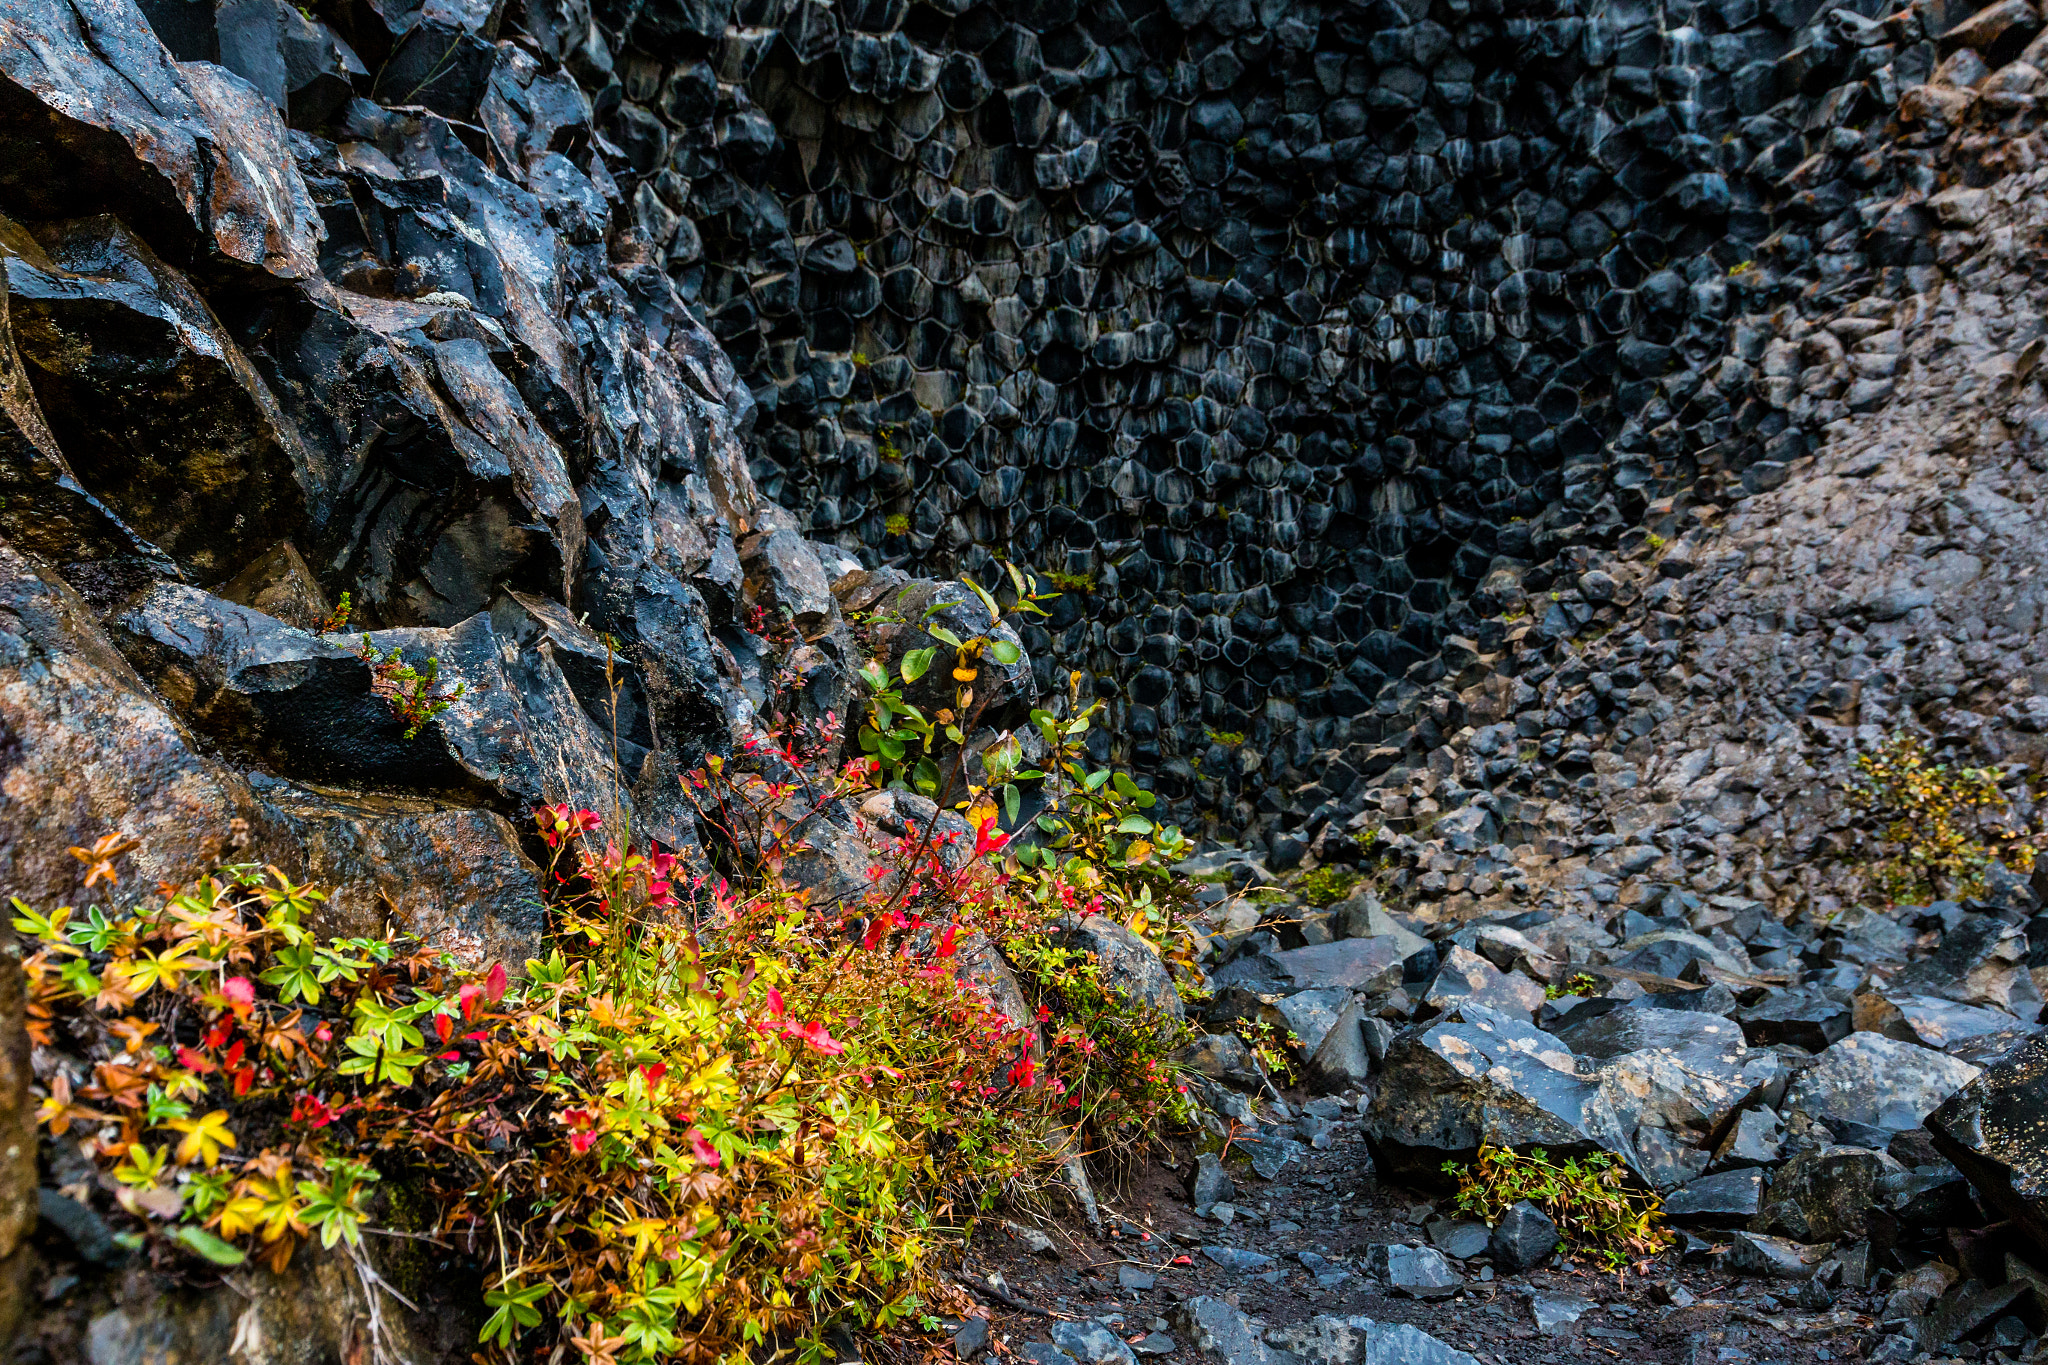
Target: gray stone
{"x":1459,"y":1238}
{"x":1876,"y":1081}
{"x":1728,"y":1199}
{"x":1210,"y":1183}
{"x":1753,"y":1253}
{"x":1552,"y":1312}
{"x":1091,"y":1343}
{"x":1237,"y":1258}
{"x":1991,"y":1130}
{"x":1522,"y":1239}
{"x":1417,"y":1272}
{"x":1466,"y":977}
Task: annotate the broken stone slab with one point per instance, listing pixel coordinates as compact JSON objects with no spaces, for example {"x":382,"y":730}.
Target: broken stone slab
{"x":1344,"y":1058}
{"x":1464,"y":976}
{"x":1729,"y":1199}
{"x":1220,"y":1333}
{"x":1329,"y":1340}
{"x":1461,"y":1238}
{"x":1362,"y":916}
{"x":1209,"y":1183}
{"x":1667,"y":1158}
{"x":1826,"y":1195}
{"x":1310,"y":1015}
{"x":1876,"y":1081}
{"x":1981,"y":961}
{"x":1775,"y":1258}
{"x":1931,"y":1021}
{"x":1808,"y":1017}
{"x":1551,"y":1312}
{"x":1415,"y":1272}
{"x":1091,"y":1343}
{"x":1479,"y":1077}
{"x":1668,"y":952}
{"x":1237,"y":1258}
{"x":1351,"y":964}
{"x":1638,"y":1027}
{"x":1992,"y":1129}
{"x":1756,"y":1139}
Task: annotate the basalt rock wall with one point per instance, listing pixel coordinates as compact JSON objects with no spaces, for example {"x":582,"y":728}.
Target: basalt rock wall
{"x":1266,"y":332}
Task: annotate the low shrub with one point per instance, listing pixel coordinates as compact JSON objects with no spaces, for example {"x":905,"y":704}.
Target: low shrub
{"x":1939,"y":826}
{"x":713,"y":1120}
{"x":1589,"y":1199}
{"x":1325,"y":886}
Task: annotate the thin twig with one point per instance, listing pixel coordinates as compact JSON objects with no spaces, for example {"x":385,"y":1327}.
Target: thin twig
{"x":1007,"y":1300}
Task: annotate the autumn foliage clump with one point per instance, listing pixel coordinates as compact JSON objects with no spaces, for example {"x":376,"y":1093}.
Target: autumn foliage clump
{"x":717,"y":1116}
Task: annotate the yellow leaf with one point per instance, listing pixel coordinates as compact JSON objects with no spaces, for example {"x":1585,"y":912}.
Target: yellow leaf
{"x":204,"y":1136}
{"x":1140,"y":851}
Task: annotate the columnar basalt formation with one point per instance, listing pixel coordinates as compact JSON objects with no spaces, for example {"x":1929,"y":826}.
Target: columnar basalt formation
{"x":1264,"y":332}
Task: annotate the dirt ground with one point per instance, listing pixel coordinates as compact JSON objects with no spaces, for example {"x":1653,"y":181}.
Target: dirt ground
{"x":1680,"y":1312}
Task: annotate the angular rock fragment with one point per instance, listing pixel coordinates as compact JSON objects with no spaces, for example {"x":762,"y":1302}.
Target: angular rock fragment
{"x":1992,"y":1129}
{"x":1727,"y":1199}
{"x":1877,"y":1082}
{"x":1522,"y":1239}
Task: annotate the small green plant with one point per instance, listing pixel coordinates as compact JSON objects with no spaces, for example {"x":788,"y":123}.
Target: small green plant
{"x":1587,"y":1197}
{"x":1326,"y":886}
{"x":412,"y":693}
{"x":898,"y":524}
{"x":1940,"y":826}
{"x":1070,"y":582}
{"x":336,"y":621}
{"x":1273,"y":1046}
{"x":1229,"y":739}
{"x":1577,"y":985}
{"x":1655,"y":542}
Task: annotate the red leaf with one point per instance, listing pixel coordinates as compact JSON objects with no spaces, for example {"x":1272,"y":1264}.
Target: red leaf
{"x":494,"y":983}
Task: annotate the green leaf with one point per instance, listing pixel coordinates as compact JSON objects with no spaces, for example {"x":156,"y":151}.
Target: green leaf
{"x":1011,"y":800}
{"x":872,"y":673}
{"x":199,"y":1240}
{"x":945,"y":636}
{"x":1134,"y":824}
{"x":1125,"y":788}
{"x":995,"y":613}
{"x":1005,"y":651}
{"x":917,"y":663}
{"x":1093,"y":782}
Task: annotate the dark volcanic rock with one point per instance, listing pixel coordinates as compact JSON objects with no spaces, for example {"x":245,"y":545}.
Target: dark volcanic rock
{"x":1807,"y":1018}
{"x":1523,"y":1239}
{"x":1992,"y":1129}
{"x":1477,"y":1076}
{"x":1129,"y":965}
{"x":1728,"y":1199}
{"x":1878,"y":1082}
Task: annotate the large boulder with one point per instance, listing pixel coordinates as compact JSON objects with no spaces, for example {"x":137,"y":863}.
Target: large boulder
{"x":1131,"y":967}
{"x":1877,"y":1082}
{"x":1478,"y":1076}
